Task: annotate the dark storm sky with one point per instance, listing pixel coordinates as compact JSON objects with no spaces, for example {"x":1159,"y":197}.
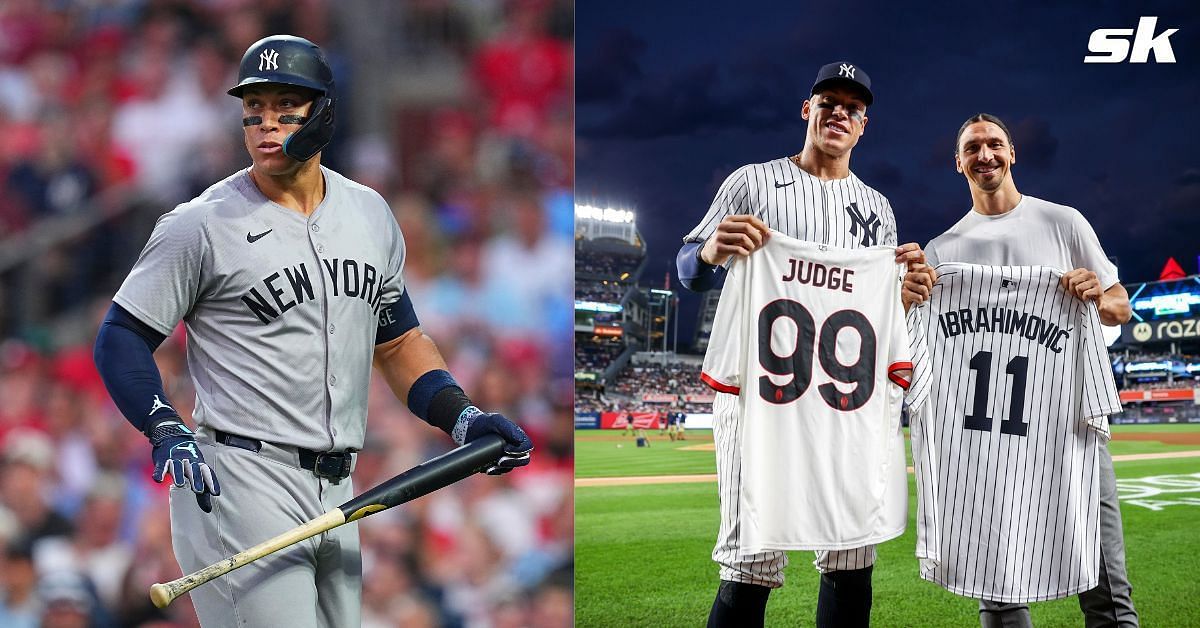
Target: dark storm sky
{"x":672,"y":96}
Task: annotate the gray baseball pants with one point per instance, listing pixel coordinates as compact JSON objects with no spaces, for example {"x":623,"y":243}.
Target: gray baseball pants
{"x":1109,"y":604}
{"x":316,"y":583}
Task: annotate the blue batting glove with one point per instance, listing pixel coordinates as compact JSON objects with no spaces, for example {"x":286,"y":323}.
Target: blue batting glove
{"x":175,"y":452}
{"x":473,"y":423}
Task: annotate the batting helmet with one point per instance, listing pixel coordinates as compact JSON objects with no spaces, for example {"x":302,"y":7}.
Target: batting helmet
{"x":289,"y":60}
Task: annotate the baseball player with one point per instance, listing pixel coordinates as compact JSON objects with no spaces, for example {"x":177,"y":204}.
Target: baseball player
{"x":289,"y":279}
{"x":810,"y":196}
{"x":1005,"y":227}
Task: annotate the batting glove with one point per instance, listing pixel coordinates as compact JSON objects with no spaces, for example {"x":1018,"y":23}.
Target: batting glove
{"x":175,"y":452}
{"x":473,"y":423}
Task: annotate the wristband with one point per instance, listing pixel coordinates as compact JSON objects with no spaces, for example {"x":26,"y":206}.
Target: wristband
{"x":438,"y":400}
{"x":166,"y":427}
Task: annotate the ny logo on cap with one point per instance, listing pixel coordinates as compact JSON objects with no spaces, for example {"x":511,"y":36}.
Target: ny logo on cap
{"x":268,"y":60}
{"x":847,"y":70}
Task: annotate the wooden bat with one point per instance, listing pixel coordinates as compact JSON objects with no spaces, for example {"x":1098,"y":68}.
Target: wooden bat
{"x":422,"y":479}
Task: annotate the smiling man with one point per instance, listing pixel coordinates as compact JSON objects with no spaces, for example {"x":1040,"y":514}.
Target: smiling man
{"x":1007,"y":228}
{"x":289,"y":279}
{"x":810,"y":196}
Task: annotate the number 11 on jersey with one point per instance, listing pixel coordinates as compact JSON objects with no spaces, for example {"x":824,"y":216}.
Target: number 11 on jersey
{"x":981,"y":364}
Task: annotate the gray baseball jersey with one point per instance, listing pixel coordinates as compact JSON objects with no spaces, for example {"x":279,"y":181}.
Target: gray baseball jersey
{"x":281,"y":309}
{"x":844,"y":213}
{"x":1011,"y":404}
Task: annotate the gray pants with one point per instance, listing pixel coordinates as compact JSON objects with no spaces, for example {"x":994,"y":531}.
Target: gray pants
{"x":315,"y":583}
{"x":1109,"y":604}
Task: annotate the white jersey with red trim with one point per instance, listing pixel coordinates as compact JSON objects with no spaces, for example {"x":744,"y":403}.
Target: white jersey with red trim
{"x":1008,"y":407}
{"x":817,"y":353}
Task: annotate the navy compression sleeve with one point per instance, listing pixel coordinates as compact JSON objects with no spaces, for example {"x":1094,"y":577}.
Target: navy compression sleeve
{"x":695,"y":274}
{"x":124,"y":356}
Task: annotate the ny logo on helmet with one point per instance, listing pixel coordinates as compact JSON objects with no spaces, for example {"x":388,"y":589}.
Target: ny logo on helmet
{"x":847,"y":70}
{"x":268,"y":60}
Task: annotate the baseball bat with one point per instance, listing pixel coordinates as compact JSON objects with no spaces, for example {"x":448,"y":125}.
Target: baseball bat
{"x":422,"y":479}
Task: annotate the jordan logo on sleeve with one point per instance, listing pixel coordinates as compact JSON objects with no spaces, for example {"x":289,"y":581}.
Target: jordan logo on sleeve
{"x":159,"y":405}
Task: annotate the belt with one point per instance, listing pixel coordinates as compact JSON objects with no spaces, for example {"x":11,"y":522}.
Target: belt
{"x":331,"y":465}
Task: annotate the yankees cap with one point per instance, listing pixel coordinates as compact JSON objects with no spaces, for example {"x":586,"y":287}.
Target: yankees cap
{"x":844,"y":72}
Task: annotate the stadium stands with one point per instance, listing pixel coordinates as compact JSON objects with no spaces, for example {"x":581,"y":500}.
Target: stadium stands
{"x":591,"y":263}
{"x":596,"y":355}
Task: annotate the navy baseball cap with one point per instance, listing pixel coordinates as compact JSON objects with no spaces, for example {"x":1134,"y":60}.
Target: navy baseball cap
{"x":846,"y":73}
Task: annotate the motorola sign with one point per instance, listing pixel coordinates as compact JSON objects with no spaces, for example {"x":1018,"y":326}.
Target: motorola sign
{"x":1161,"y":331}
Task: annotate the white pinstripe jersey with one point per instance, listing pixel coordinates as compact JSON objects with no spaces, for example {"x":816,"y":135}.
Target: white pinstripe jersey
{"x":811,"y":341}
{"x":846,"y":213}
{"x":1011,"y":399}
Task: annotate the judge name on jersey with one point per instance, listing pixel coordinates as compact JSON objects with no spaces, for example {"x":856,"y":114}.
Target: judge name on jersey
{"x":819,"y":275}
{"x":1006,"y":321}
{"x":285,"y":289}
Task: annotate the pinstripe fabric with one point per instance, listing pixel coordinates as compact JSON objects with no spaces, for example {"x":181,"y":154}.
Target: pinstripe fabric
{"x":802,"y":206}
{"x":825,"y":469}
{"x":1004,"y":516}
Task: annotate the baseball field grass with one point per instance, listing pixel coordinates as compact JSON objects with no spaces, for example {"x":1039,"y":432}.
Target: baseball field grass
{"x":642,"y":550}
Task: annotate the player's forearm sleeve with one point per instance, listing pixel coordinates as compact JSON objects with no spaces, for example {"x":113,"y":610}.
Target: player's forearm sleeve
{"x":694,"y":274}
{"x":124,"y":356}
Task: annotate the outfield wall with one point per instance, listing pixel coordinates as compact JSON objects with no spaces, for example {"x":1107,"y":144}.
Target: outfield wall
{"x":640,"y":420}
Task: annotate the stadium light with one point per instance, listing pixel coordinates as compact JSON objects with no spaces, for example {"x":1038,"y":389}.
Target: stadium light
{"x":604,"y":214}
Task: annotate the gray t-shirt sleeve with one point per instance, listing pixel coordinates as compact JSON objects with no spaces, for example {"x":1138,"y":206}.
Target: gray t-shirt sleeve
{"x":165,"y":282}
{"x":1086,"y":252}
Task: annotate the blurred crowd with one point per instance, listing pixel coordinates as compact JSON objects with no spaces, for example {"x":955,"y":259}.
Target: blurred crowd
{"x":457,"y":111}
{"x":596,"y":355}
{"x":600,"y":291}
{"x":653,"y":378}
{"x":636,"y":380}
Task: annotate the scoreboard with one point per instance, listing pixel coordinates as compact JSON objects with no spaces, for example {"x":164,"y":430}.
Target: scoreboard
{"x":1157,"y":300}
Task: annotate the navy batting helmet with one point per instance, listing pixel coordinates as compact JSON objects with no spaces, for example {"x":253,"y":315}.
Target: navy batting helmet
{"x":289,"y":60}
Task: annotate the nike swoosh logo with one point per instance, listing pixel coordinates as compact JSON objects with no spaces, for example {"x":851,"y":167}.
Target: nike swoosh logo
{"x":783,"y":185}
{"x":255,"y":238}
